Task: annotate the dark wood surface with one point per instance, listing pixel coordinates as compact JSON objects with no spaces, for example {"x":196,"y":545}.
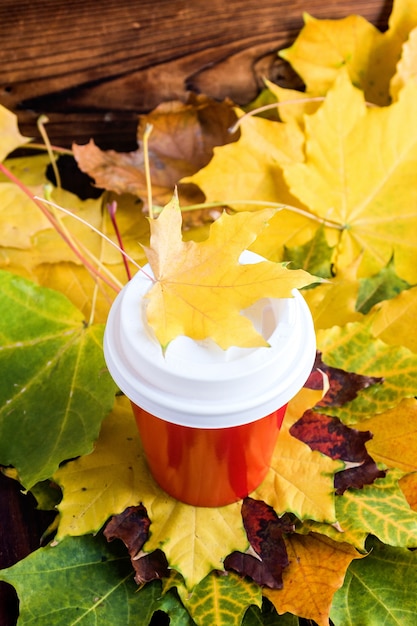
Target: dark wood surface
{"x":92,"y":66}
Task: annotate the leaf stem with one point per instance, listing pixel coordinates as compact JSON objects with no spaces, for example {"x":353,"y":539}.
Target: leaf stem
{"x":276,"y":105}
{"x":146,"y":134}
{"x":112,"y":208}
{"x":41,"y":146}
{"x":267,"y":204}
{"x":42,"y":120}
{"x":55,"y":224}
{"x":98,"y":232}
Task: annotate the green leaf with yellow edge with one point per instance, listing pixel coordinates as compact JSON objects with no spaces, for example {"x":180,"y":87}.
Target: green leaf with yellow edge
{"x":323,"y":47}
{"x":221,"y":599}
{"x":380,"y":509}
{"x":115,"y":476}
{"x":343,"y":140}
{"x":383,"y":286}
{"x":201,"y":288}
{"x":394,"y":436}
{"x":380,"y":589}
{"x":54,"y":390}
{"x":354,"y":349}
{"x":354,"y":536}
{"x":9,"y":132}
{"x":82,"y":580}
{"x":317,"y":566}
{"x":394,"y":321}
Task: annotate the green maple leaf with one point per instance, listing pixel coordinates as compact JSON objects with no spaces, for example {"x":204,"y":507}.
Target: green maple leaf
{"x":54,"y":389}
{"x":86,"y":581}
{"x":314,"y":256}
{"x":380,"y":589}
{"x":382,"y":286}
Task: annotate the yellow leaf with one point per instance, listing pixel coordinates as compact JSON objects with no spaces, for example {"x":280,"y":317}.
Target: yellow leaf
{"x":201,"y":288}
{"x":317,"y":567}
{"x":333,"y":302}
{"x":395,"y":320}
{"x":323,"y":47}
{"x":359,"y":172}
{"x":407,"y":66}
{"x":27,"y":220}
{"x":115,"y":476}
{"x":251,"y":168}
{"x":9,"y":132}
{"x":408,"y":485}
{"x":293,"y":105}
{"x":300,"y":480}
{"x":394,"y":440}
{"x":326,"y":47}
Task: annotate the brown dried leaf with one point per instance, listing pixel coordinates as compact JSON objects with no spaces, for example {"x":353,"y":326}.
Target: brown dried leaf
{"x":132,"y":527}
{"x":265,"y":531}
{"x":181,"y":142}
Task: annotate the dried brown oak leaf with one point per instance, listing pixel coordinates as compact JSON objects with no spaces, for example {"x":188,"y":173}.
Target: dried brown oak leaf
{"x":181,"y":142}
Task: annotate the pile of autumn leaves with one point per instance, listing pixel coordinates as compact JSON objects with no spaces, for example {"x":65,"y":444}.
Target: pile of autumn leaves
{"x":334,"y":169}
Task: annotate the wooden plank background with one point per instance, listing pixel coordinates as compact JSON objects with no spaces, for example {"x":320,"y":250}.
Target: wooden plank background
{"x":91,"y":66}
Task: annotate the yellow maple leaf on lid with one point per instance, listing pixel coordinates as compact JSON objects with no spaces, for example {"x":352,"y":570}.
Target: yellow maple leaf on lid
{"x":201,"y":288}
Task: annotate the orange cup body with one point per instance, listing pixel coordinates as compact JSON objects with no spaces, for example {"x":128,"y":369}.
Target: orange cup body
{"x":208,"y":467}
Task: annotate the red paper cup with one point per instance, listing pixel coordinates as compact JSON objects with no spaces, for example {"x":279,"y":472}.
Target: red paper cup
{"x":209,"y":418}
{"x":208,"y":466}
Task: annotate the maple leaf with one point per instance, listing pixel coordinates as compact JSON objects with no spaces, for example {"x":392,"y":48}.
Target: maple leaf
{"x":394,"y":436}
{"x":9,"y":132}
{"x":406,"y":67}
{"x":343,"y":140}
{"x":380,"y":589}
{"x":181,"y":142}
{"x":344,"y":347}
{"x":331,"y":437}
{"x":380,"y":509}
{"x":325,"y":47}
{"x":383,"y":286}
{"x":394,"y":320}
{"x":132,"y":527}
{"x":265,"y":532}
{"x":201,"y":288}
{"x":343,"y":386}
{"x":316,"y":570}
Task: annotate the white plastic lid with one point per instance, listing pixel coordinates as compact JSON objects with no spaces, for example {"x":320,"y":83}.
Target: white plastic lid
{"x":198,"y":384}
